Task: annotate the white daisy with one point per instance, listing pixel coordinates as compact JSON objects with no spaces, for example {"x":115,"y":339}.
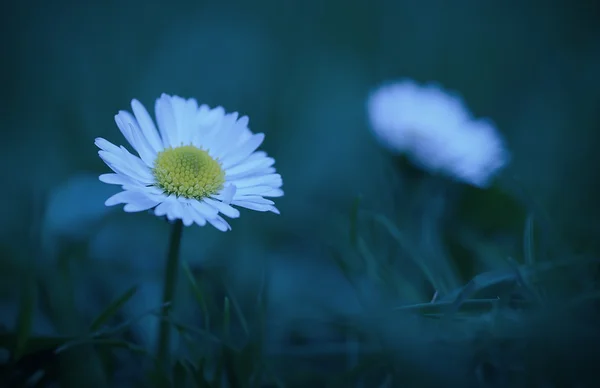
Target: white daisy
{"x":436,"y":131}
{"x":199,"y":163}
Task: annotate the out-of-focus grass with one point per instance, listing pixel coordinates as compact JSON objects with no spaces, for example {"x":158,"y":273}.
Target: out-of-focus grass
{"x":524,"y":320}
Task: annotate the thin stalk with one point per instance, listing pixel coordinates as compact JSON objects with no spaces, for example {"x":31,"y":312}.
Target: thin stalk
{"x":172,"y":267}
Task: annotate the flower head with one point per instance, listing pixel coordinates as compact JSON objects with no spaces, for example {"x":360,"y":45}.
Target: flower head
{"x":436,"y":131}
{"x":194,"y":167}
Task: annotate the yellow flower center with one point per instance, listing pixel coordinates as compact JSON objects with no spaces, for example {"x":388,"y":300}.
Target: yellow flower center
{"x":188,"y":172}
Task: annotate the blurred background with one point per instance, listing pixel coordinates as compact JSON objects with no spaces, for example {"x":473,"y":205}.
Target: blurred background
{"x":301,"y":70}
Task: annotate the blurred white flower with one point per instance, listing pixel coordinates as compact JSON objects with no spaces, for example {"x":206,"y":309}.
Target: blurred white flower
{"x":436,"y":131}
{"x":198,"y":163}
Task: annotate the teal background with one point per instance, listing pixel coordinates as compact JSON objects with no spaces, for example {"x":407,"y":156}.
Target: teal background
{"x":301,"y":70}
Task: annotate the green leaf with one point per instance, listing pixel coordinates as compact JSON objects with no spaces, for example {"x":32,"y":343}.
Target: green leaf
{"x":112,"y":309}
{"x":198,"y":294}
{"x":25,"y":317}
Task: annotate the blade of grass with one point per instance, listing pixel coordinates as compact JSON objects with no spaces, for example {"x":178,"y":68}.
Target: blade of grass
{"x":198,"y":294}
{"x":103,"y":342}
{"x":437,"y":307}
{"x":403,"y":243}
{"x":354,"y":220}
{"x":200,"y":376}
{"x":480,"y":282}
{"x":231,"y":372}
{"x":25,"y":317}
{"x":179,"y":374}
{"x":528,"y":241}
{"x":183,"y":328}
{"x":550,"y":234}
{"x":112,"y":309}
{"x":226,"y":318}
{"x":218,"y":376}
{"x":113,"y":331}
{"x":196,"y":373}
{"x":34,"y":344}
{"x":370,"y":262}
{"x":238,"y":311}
{"x":524,"y":281}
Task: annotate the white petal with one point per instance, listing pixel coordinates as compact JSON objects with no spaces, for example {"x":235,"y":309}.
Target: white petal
{"x":146,"y":152}
{"x":256,"y":199}
{"x":226,"y":195}
{"x":223,"y":208}
{"x":208,"y":117}
{"x":178,"y":111}
{"x":241,"y":153}
{"x":140,"y":205}
{"x":121,"y":164}
{"x":128,"y":125}
{"x":187,"y":125}
{"x":273,"y":193}
{"x":220,"y":224}
{"x":224,"y":137}
{"x":147,"y":125}
{"x":242,"y":170}
{"x":116,"y":179}
{"x":187,"y":215}
{"x":256,"y":155}
{"x":197,"y":217}
{"x":256,"y":206}
{"x":123,"y":119}
{"x":163,"y":208}
{"x":253,"y":190}
{"x":127,"y":196}
{"x":175,"y":211}
{"x":205,"y":210}
{"x":208,"y":123}
{"x":105,"y":145}
{"x":273,"y":180}
{"x":165,"y":119}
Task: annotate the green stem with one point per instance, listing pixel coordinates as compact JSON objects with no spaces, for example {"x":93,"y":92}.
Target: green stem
{"x":171,"y":270}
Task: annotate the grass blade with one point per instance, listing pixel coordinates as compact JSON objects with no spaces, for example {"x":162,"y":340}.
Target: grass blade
{"x":528,"y":241}
{"x":226,"y":318}
{"x":404,"y":245}
{"x":25,"y":317}
{"x":112,"y":309}
{"x":103,"y":342}
{"x":198,"y":294}
{"x":179,"y":374}
{"x":354,"y":221}
{"x":238,"y":311}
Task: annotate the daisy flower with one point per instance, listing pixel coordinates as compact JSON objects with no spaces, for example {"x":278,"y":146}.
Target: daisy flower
{"x":436,"y":131}
{"x":196,"y":166}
